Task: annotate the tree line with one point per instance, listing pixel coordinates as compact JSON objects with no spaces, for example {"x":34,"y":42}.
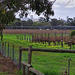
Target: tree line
{"x":43,"y":22}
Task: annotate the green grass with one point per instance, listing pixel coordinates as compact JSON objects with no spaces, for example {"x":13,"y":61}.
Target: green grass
{"x":1,"y":73}
{"x":47,"y":62}
{"x":7,"y":73}
{"x":12,"y":39}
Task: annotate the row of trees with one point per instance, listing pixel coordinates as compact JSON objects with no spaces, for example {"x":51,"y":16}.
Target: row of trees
{"x":28,"y":23}
{"x":70,"y":21}
{"x":43,"y":22}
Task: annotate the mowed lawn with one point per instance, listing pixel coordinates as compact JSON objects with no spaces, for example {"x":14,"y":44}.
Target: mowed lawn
{"x":47,"y":62}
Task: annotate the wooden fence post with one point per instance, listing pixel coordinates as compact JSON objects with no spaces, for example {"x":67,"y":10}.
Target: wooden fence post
{"x":3,"y":48}
{"x":20,"y":57}
{"x":69,"y":66}
{"x":8,"y":50}
{"x":29,"y":54}
{"x":24,"y":70}
{"x":29,"y":57}
{"x":13,"y":53}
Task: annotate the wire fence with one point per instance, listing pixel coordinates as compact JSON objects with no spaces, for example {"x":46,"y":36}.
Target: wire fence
{"x":8,"y":50}
{"x":30,"y":50}
{"x":17,"y":54}
{"x":13,"y":51}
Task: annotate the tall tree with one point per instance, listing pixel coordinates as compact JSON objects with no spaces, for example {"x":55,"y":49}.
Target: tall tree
{"x":9,"y":7}
{"x":13,"y":6}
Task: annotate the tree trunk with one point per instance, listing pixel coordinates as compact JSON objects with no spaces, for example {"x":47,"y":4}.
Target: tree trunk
{"x":1,"y":35}
{"x":47,"y":18}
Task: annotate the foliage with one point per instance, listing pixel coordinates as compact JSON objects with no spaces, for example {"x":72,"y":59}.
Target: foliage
{"x":55,"y":22}
{"x":2,"y":27}
{"x":70,"y":21}
{"x":41,"y":23}
{"x":9,"y":7}
{"x":1,"y":35}
{"x":35,"y":24}
{"x":22,"y":23}
{"x":29,"y":23}
{"x":72,"y":34}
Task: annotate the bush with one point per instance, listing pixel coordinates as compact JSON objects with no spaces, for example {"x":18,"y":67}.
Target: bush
{"x":72,"y":34}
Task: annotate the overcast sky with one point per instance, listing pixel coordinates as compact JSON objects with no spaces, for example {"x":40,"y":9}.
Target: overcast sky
{"x":62,"y":9}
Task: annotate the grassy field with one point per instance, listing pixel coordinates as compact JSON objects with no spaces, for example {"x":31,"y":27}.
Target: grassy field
{"x":47,"y":63}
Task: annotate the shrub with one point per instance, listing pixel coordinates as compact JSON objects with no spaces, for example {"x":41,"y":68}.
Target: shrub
{"x":72,"y":34}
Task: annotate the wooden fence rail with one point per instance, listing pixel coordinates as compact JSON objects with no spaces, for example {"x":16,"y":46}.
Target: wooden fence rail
{"x":30,"y":69}
{"x":49,"y":50}
{"x":30,"y":50}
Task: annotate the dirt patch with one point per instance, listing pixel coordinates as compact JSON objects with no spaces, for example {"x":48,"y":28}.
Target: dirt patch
{"x":7,"y":66}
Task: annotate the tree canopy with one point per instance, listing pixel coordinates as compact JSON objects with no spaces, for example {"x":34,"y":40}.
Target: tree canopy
{"x":9,"y":7}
